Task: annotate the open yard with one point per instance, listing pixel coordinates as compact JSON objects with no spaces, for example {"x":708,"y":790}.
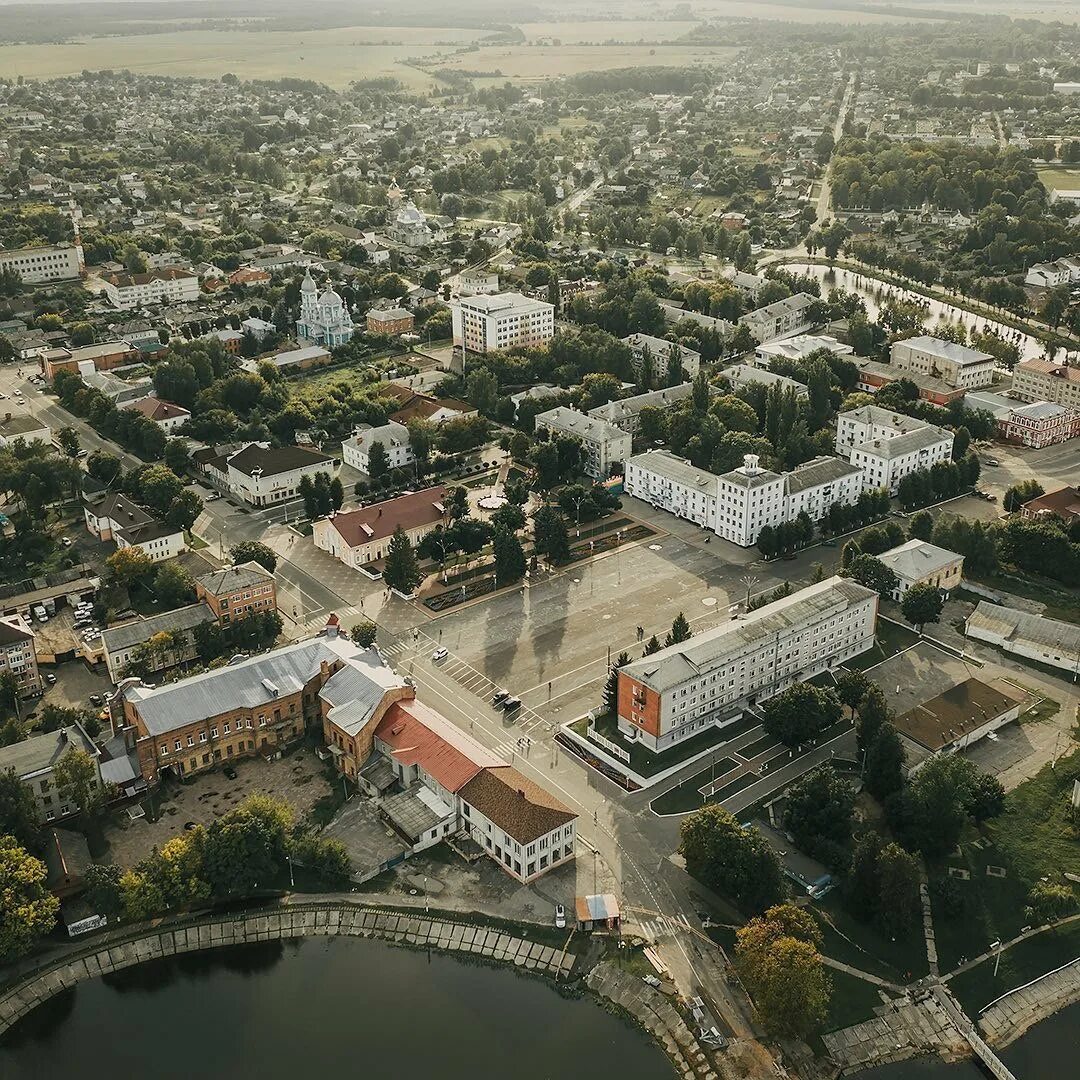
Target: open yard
{"x":1060,"y":177}
{"x":891,"y":639}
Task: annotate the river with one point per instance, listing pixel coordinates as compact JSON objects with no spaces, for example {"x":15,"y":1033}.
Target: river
{"x":1049,"y":1049}
{"x":324,"y":1007}
{"x":868,"y":288}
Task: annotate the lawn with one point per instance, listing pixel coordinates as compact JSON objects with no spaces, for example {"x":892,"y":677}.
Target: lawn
{"x":861,"y":945}
{"x":891,"y":639}
{"x":1061,"y":601}
{"x":853,"y":1000}
{"x":1019,"y":965}
{"x":1061,"y":178}
{"x":687,"y":795}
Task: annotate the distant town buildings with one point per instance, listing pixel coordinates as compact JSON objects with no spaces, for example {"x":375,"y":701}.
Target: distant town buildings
{"x":659,"y":351}
{"x":783,"y":318}
{"x":708,"y":680}
{"x":42,"y":265}
{"x":491,"y":322}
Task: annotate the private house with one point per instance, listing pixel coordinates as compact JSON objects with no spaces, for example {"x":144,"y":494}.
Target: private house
{"x":234,"y":592}
{"x":1063,"y":504}
{"x":117,"y":518}
{"x":710,"y":679}
{"x":920,"y":563}
{"x":34,"y":759}
{"x":165,"y":414}
{"x":361,"y":537}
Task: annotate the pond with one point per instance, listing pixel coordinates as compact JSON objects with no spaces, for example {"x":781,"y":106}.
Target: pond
{"x":324,"y":1007}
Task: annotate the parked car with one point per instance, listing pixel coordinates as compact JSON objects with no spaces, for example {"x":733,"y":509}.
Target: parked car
{"x":96,"y":699}
{"x":230,"y":772}
{"x":439,"y":654}
{"x":560,"y":917}
{"x":499,"y":697}
{"x":212,"y":495}
{"x":66,"y":541}
{"x":50,"y":678}
{"x":511,"y":704}
{"x":992,"y":462}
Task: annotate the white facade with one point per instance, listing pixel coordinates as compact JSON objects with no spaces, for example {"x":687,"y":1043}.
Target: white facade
{"x":740,"y":375}
{"x":23,"y":426}
{"x":625,"y":412}
{"x":783,"y":318}
{"x":126,"y":291}
{"x":708,"y":680}
{"x":526,"y":862}
{"x":489,"y":323}
{"x":885,"y":462}
{"x":798,"y":348}
{"x":604,"y":444}
{"x":40,"y":265}
{"x":957,"y":365}
{"x":33,"y":760}
{"x":356,"y":450}
{"x":167,"y":544}
{"x":1049,"y":641}
{"x":920,"y":563}
{"x":674,"y":485}
{"x":864,"y":425}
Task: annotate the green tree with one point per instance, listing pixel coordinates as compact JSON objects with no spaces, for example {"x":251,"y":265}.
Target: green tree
{"x":457,"y":503}
{"x":324,"y":856}
{"x":28,"y":910}
{"x":986,"y":798}
{"x":872,"y":573}
{"x":78,"y":782}
{"x":922,"y":604}
{"x":651,"y":646}
{"x":680,"y":631}
{"x":401,"y":571}
{"x":246,"y":848}
{"x":800,"y":713}
{"x":509,"y":557}
{"x":130,"y":565}
{"x":921,"y":526}
{"x":158,"y":486}
{"x":849,"y":553}
{"x":103,"y":466}
{"x":883,"y":768}
{"x":184,"y":510}
{"x":18,"y":810}
{"x":103,"y":893}
{"x":1018,"y":494}
{"x":778,"y":960}
{"x":851,"y":687}
{"x":818,"y":813}
{"x":551,"y":537}
{"x":253,"y":551}
{"x":935,"y":807}
{"x":899,"y":907}
{"x":611,"y":686}
{"x":68,"y":438}
{"x":1048,"y":902}
{"x":173,"y":585}
{"x":363,"y":634}
{"x":735,"y":861}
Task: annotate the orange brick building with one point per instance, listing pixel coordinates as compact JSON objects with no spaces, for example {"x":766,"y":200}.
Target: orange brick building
{"x":236,"y":591}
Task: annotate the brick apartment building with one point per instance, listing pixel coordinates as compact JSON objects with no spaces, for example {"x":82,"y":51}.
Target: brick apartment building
{"x":234,"y":592}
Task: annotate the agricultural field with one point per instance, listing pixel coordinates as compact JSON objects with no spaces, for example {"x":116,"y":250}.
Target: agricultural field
{"x":335,"y":57}
{"x":589,"y":32}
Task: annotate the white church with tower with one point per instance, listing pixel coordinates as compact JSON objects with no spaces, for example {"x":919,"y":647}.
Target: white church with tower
{"x":324,"y":318}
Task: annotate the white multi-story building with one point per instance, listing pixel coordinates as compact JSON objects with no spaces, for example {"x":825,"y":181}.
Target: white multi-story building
{"x":798,"y":348}
{"x":959,"y":366}
{"x":887,"y":461}
{"x":18,"y":654}
{"x":263,"y":475}
{"x":1042,"y":380}
{"x":34,"y":759}
{"x":394,"y":437}
{"x":40,"y":265}
{"x":490,"y":323}
{"x":604,"y":444}
{"x":115,"y":517}
{"x":708,"y":680}
{"x":740,"y":375}
{"x":625,"y":412}
{"x":1051,"y":275}
{"x":659,"y":350}
{"x":674,"y":485}
{"x":171,"y":286}
{"x":784,"y":318}
{"x":858,"y":426}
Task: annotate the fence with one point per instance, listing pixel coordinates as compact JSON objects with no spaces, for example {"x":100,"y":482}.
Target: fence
{"x":608,"y":745}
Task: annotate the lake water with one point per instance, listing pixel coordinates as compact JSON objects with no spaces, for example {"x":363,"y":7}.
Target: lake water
{"x":1049,"y":1050}
{"x":323,"y":1007}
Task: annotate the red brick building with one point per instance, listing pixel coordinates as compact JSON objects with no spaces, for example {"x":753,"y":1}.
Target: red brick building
{"x":1039,"y":424}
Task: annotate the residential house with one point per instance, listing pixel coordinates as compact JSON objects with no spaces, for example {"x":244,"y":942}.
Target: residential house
{"x":1062,"y":505}
{"x":624,"y":413}
{"x":1043,"y":380}
{"x":783,"y":318}
{"x":659,"y":351}
{"x":18,"y":654}
{"x":605,"y":446}
{"x":165,"y":414}
{"x":740,"y":375}
{"x":394,"y":438}
{"x":263,"y":475}
{"x":24,"y":426}
{"x":920,"y":563}
{"x":390,"y":321}
{"x":115,"y":517}
{"x":170,"y":286}
{"x":34,"y":759}
{"x":492,"y":322}
{"x":121,"y":644}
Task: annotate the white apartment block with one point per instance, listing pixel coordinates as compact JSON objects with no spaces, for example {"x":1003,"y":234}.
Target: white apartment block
{"x":40,"y":265}
{"x":741,"y":375}
{"x":1042,"y":380}
{"x":33,"y":760}
{"x":604,"y":444}
{"x":784,"y":318}
{"x":625,"y":412}
{"x":959,"y":366}
{"x":887,"y":461}
{"x":798,"y":348}
{"x":1051,"y":275}
{"x":864,"y":425}
{"x":171,"y":286}
{"x":660,"y":350}
{"x":708,"y":680}
{"x":356,"y":450}
{"x":672,"y":484}
{"x":18,"y":654}
{"x":489,"y":323}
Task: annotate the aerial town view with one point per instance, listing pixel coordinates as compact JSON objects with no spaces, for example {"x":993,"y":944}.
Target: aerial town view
{"x":540,"y":540}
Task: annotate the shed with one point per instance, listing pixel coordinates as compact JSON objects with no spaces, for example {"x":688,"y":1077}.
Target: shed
{"x":599,"y":912}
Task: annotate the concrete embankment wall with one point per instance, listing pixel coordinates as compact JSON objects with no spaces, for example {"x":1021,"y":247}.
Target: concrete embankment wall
{"x":171,"y":938}
{"x":1010,"y":1016}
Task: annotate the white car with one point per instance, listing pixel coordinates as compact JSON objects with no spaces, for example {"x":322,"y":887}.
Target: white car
{"x":439,"y":654}
{"x":560,"y":917}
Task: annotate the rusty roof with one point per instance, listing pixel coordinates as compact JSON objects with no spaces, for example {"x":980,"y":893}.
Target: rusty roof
{"x":380,"y":520}
{"x":521,"y":808}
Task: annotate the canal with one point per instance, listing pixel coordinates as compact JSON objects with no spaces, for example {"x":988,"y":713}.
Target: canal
{"x":324,"y":1007}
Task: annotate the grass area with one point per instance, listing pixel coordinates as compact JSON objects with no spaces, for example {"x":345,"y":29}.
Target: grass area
{"x":891,"y":638}
{"x":687,"y":796}
{"x":646,"y":763}
{"x":1061,"y":601}
{"x":1019,"y":965}
{"x":1060,"y":177}
{"x":758,"y":746}
{"x":861,"y":945}
{"x":853,"y":1000}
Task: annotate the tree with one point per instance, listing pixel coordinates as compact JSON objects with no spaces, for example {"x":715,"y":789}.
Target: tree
{"x":184,"y":510}
{"x":177,"y":456}
{"x":883,"y":767}
{"x":680,"y":631}
{"x":777,"y":957}
{"x":378,"y":460}
{"x":103,"y":466}
{"x":800,"y":713}
{"x":509,"y":517}
{"x":27,"y":909}
{"x":77,"y":781}
{"x":986,"y":798}
{"x":247,"y":846}
{"x":922,"y":604}
{"x":724,"y":856}
{"x":173,"y":585}
{"x":129,"y":565}
{"x":18,"y":810}
{"x":652,"y":646}
{"x":921,"y":526}
{"x":337,"y":492}
{"x":611,"y":687}
{"x":550,"y":535}
{"x":851,"y":687}
{"x":932,"y":812}
{"x":849,"y":553}
{"x":899,"y":906}
{"x":509,"y":557}
{"x":158,"y":486}
{"x":1018,"y":494}
{"x":103,"y":893}
{"x":872,"y":573}
{"x":457,"y":503}
{"x":818,"y":813}
{"x":363,"y":634}
{"x":325,"y":856}
{"x":1048,"y":902}
{"x":68,"y":438}
{"x":401,"y":571}
{"x":252,"y":551}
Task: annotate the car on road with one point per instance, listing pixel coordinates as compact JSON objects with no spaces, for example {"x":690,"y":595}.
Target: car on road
{"x":50,"y":678}
{"x":440,"y":654}
{"x":499,"y":697}
{"x":95,"y":699}
{"x":511,"y":704}
{"x":230,"y":772}
{"x":66,"y":541}
{"x":560,"y":917}
{"x":992,"y":462}
{"x":212,"y":495}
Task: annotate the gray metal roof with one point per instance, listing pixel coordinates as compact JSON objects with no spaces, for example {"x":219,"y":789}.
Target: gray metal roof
{"x":625,"y":408}
{"x":570,"y":422}
{"x":355,"y":692}
{"x":230,"y":578}
{"x":135,"y":633}
{"x":879,"y":417}
{"x":247,"y":684}
{"x":915,"y":559}
{"x":946,"y":350}
{"x":711,"y":649}
{"x":666,"y":464}
{"x":909,"y":442}
{"x":741,"y":374}
{"x":822,"y":470}
{"x":41,"y":752}
{"x":1015,"y":625}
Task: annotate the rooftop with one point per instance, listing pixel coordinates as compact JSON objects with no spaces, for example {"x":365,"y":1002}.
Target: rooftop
{"x":941,"y":721}
{"x":1011,"y":624}
{"x":821,"y":470}
{"x":513,"y":803}
{"x":380,"y":520}
{"x":14,"y":425}
{"x":1041,"y":410}
{"x":41,"y":752}
{"x":155,"y":409}
{"x":877,"y":417}
{"x":273,"y":460}
{"x":503,"y":303}
{"x":917,"y":558}
{"x":141,"y":630}
{"x":946,"y":350}
{"x":230,"y":578}
{"x":1063,"y":503}
{"x":572,"y":422}
{"x":909,"y":442}
{"x":1045,"y":367}
{"x":625,"y":408}
{"x":666,"y":464}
